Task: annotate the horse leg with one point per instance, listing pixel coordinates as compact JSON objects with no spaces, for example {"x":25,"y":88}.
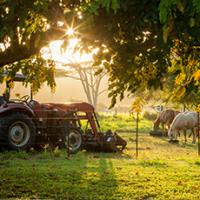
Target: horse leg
{"x":185,"y":136}
{"x":165,"y":126}
{"x":190,"y":134}
{"x":179,"y":135}
{"x":168,"y":127}
{"x":162,"y":124}
{"x":176,"y":132}
{"x":193,"y":136}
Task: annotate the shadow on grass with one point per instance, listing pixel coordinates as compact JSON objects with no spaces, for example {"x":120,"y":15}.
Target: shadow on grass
{"x":105,"y":184}
{"x":46,"y":178}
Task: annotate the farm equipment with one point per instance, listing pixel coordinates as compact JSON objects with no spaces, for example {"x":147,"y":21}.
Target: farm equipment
{"x":158,"y":133}
{"x":26,"y":123}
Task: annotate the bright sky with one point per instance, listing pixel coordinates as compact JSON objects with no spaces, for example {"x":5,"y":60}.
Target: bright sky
{"x":70,"y":54}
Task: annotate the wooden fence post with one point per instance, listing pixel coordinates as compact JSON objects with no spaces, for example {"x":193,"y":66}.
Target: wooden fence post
{"x":137,"y":108}
{"x":198,"y":135}
{"x":136,"y":139}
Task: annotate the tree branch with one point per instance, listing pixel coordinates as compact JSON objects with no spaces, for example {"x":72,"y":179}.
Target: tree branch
{"x":73,"y":77}
{"x":37,"y":41}
{"x":102,"y":92}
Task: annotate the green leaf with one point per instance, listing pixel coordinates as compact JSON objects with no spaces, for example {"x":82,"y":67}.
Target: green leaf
{"x":196,"y":4}
{"x":106,"y":4}
{"x":180,"y":6}
{"x":180,"y":92}
{"x":113,"y":102}
{"x":115,"y":5}
{"x":165,"y":9}
{"x":192,"y":22}
{"x":165,"y":33}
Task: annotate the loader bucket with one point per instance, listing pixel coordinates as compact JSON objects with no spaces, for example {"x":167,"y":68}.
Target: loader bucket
{"x":107,"y":142}
{"x":112,"y":142}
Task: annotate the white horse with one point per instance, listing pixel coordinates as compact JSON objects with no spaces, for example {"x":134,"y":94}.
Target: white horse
{"x":183,"y":121}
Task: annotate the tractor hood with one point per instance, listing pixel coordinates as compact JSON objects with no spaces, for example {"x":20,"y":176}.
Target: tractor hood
{"x":15,"y":107}
{"x":73,"y":107}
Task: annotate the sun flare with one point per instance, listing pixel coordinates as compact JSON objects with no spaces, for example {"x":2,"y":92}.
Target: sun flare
{"x":68,"y":55}
{"x":70,"y":31}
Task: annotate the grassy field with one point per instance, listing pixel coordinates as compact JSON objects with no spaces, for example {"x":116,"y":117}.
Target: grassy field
{"x":123,"y":123}
{"x":162,"y":171}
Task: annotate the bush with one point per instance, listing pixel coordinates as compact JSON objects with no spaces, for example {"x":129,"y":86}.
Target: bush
{"x":149,"y":116}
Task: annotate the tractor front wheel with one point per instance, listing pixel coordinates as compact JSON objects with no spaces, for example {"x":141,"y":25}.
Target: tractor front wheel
{"x":17,"y":131}
{"x":73,"y":139}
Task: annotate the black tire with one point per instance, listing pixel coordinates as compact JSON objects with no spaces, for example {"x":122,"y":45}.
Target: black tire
{"x":75,"y":139}
{"x":17,"y":132}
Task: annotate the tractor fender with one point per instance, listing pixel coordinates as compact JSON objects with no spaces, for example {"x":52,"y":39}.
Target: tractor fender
{"x":8,"y":108}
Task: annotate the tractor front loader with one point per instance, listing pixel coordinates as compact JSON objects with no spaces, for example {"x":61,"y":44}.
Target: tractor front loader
{"x":92,"y":138}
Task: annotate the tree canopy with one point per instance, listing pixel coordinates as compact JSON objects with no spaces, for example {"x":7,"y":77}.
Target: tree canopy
{"x":26,"y":27}
{"x":143,"y":37}
{"x":147,"y":40}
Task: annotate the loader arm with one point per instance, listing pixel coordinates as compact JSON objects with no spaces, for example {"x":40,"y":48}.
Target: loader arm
{"x":107,"y":141}
{"x":87,"y":109}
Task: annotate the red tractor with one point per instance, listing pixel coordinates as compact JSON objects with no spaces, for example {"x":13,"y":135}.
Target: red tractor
{"x":26,"y":123}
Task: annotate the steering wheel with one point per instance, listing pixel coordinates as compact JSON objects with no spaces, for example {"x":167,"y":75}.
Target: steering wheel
{"x":25,"y":98}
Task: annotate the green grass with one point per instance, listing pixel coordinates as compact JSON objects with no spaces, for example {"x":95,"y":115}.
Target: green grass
{"x":123,"y":123}
{"x":162,"y":171}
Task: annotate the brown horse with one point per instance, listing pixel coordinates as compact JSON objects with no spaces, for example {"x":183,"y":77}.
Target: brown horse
{"x":165,"y":118}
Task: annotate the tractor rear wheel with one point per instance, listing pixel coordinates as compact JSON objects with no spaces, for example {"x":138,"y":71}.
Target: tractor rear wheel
{"x":17,"y":131}
{"x":73,"y":139}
